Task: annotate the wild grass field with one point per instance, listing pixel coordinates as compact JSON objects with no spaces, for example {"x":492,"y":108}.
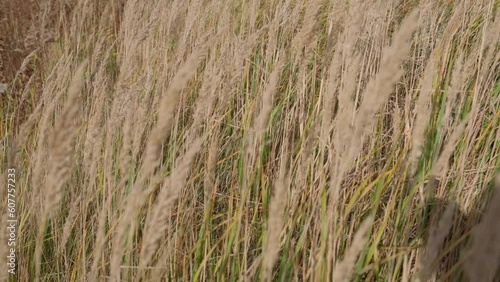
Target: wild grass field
{"x":258,"y":140}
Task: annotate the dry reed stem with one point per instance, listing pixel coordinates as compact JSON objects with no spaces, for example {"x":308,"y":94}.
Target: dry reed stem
{"x":267,"y":98}
{"x":422,"y":111}
{"x":261,"y":120}
{"x":378,"y":89}
{"x":434,"y":245}
{"x":306,"y":31}
{"x":60,"y":158}
{"x":344,"y":268}
{"x":442,"y":162}
{"x":61,"y":146}
{"x":275,"y":222}
{"x":166,"y":111}
{"x":69,"y":223}
{"x":152,"y":155}
{"x":209,"y":180}
{"x":484,"y":255}
{"x":170,"y":190}
{"x":99,"y":242}
{"x":376,"y":94}
{"x":456,"y":81}
{"x":50,"y":99}
{"x":94,"y":135}
{"x":329,"y":97}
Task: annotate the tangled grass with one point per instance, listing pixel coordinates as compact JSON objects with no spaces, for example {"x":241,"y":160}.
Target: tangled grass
{"x":229,"y":140}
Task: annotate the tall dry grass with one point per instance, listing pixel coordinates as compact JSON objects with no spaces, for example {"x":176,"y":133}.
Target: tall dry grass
{"x":253,"y":140}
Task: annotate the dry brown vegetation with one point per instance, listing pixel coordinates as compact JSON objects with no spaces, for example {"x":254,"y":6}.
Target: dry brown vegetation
{"x":229,"y":140}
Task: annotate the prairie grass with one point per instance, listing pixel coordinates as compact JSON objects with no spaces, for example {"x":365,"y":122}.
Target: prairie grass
{"x":229,"y":140}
